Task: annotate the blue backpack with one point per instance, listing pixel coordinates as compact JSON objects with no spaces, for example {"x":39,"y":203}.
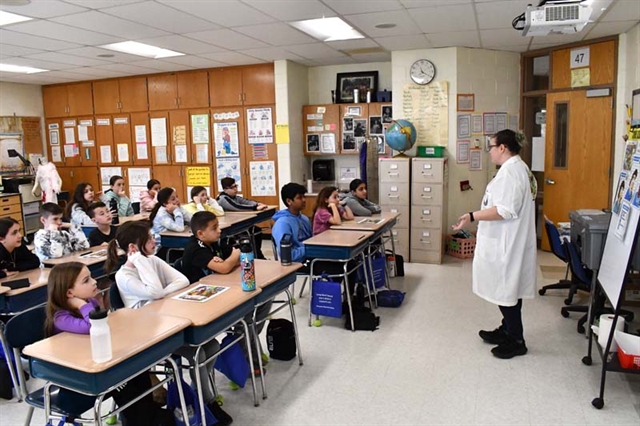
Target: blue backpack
{"x":390,"y":298}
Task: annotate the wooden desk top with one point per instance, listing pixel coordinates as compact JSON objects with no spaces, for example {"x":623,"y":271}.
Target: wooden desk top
{"x":367,"y":223}
{"x":198,"y":313}
{"x":78,"y":257}
{"x":232,"y":218}
{"x":267,"y":272}
{"x":132,"y":331}
{"x":186,"y":233}
{"x":124,"y":219}
{"x":37,"y":278}
{"x":253,"y":212}
{"x":338,"y":238}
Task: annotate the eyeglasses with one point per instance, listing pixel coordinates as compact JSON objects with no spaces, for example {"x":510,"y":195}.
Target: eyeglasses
{"x":491,"y":146}
{"x":234,"y":186}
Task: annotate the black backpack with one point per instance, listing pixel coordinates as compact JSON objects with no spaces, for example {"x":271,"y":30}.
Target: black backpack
{"x":363,"y":318}
{"x":281,"y":339}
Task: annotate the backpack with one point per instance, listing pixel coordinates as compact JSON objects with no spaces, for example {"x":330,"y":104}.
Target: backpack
{"x":363,"y":318}
{"x":390,"y":298}
{"x":281,"y":339}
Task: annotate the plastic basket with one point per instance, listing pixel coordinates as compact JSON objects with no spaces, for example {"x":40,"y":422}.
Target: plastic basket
{"x":628,"y":361}
{"x":461,"y":248}
{"x":431,"y":151}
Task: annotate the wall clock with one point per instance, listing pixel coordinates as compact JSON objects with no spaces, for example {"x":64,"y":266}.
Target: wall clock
{"x":423,"y":71}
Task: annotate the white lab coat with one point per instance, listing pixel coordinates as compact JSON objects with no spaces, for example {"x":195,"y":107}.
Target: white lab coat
{"x":505,"y":260}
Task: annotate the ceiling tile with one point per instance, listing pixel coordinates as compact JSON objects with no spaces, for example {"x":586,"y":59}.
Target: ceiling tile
{"x":445,"y":18}
{"x":103,"y":23}
{"x":93,"y":52}
{"x":182,"y":44}
{"x":307,"y":62}
{"x":44,"y":9}
{"x":44,"y":43}
{"x":160,"y":16}
{"x":69,"y":76}
{"x":159,"y":65}
{"x":338,"y":61}
{"x":623,"y":10}
{"x":232,"y":58}
{"x":94,"y":72}
{"x":373,"y":57}
{"x":414,"y":4}
{"x":512,"y":48}
{"x":367,"y":22}
{"x":101,"y":4}
{"x":271,"y":54}
{"x":315,"y":50}
{"x":456,"y":38}
{"x":39,"y":63}
{"x":361,"y":43}
{"x":404,"y":42}
{"x":194,"y":61}
{"x":499,"y":14}
{"x":558,"y":39}
{"x":7,"y":50}
{"x":287,"y":10}
{"x":63,"y":32}
{"x":67,"y":59}
{"x":353,"y":7}
{"x":276,"y":34}
{"x":228,"y":39}
{"x":504,"y":37}
{"x":224,"y":13}
{"x":126,"y":69}
{"x":603,"y":29}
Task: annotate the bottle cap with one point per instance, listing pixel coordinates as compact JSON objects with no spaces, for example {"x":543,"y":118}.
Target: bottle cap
{"x":98,"y":314}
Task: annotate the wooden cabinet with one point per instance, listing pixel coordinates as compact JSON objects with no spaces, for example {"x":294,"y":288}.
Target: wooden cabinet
{"x":11,"y":206}
{"x":53,"y":136}
{"x":179,"y":137}
{"x":72,"y":176}
{"x":114,"y":139}
{"x":86,"y":142}
{"x":178,"y":91}
{"x":601,"y":68}
{"x":354,"y":127}
{"x":318,"y":122}
{"x":67,"y":100}
{"x":141,"y":154}
{"x":250,"y":85}
{"x":120,"y":95}
{"x":172,"y":176}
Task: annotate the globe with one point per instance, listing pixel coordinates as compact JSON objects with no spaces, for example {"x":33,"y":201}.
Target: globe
{"x":401,"y":135}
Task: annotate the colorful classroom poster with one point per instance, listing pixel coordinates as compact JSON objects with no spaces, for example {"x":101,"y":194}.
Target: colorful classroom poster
{"x":260,"y":125}
{"x":228,"y":167}
{"x":200,"y":128}
{"x":263,"y":178}
{"x":226,"y":139}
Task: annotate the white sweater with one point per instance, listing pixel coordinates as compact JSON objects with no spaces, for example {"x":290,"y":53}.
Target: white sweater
{"x":151,"y":278}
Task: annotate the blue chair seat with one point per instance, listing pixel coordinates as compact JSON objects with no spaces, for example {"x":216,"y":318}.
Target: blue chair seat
{"x":63,"y":401}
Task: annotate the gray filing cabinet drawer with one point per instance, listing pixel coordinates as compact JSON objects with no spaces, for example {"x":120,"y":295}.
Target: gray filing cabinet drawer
{"x":427,"y":170}
{"x":425,"y":194}
{"x":426,"y":239}
{"x":394,"y":193}
{"x":426,"y":217}
{"x":393,"y":170}
{"x":402,"y":221}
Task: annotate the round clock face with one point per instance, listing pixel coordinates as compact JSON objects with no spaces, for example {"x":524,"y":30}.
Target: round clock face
{"x":423,"y":71}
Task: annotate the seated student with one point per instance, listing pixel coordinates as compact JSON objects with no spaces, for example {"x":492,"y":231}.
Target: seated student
{"x":292,"y":221}
{"x":329,"y":210}
{"x":357,"y":201}
{"x":72,"y":296}
{"x":232,"y":202}
{"x":148,"y":197}
{"x":105,"y":232}
{"x":76,"y":210}
{"x":57,"y":238}
{"x":116,"y":195}
{"x":167,"y":215}
{"x":14,"y":255}
{"x":144,"y":278}
{"x":200,"y":201}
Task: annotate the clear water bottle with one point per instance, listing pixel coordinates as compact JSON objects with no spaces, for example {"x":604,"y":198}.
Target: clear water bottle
{"x":100,"y":334}
{"x":113,"y":206}
{"x":285,"y":250}
{"x":194,"y":419}
{"x":247,"y":267}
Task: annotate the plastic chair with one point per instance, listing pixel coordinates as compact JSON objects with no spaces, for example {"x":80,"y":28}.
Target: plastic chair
{"x":558,"y":248}
{"x":136,"y":207}
{"x":305,"y":274}
{"x":27,"y":328}
{"x":115,"y":300}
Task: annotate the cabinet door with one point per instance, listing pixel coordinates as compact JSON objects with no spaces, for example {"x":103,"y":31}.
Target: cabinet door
{"x":104,"y":140}
{"x":225,"y":87}
{"x":179,"y":137}
{"x":234,"y":149}
{"x":122,"y":139}
{"x":133,"y":94}
{"x":53,"y":133}
{"x":172,"y":176}
{"x":258,"y":85}
{"x":70,"y":144}
{"x":106,"y":98}
{"x":141,"y":150}
{"x":192,"y":90}
{"x":163,"y":92}
{"x":200,"y":130}
{"x":67,"y":179}
{"x":354,"y":123}
{"x":55,"y":101}
{"x":160,"y":154}
{"x":86,"y":174}
{"x":80,"y":99}
{"x":325,"y":119}
{"x":87,"y":146}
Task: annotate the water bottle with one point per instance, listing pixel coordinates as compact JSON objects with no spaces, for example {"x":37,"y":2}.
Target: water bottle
{"x":247,"y":268}
{"x":194,"y":418}
{"x":285,"y":250}
{"x":100,"y":336}
{"x":113,"y":206}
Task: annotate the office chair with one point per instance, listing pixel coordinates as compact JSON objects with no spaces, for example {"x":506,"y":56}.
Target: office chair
{"x":115,"y":299}
{"x":274,"y":246}
{"x":136,"y":207}
{"x":558,"y":248}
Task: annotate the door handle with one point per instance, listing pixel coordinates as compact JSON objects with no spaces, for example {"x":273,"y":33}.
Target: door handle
{"x":550,"y":182}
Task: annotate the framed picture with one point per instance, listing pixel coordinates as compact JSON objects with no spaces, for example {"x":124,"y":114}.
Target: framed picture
{"x":313,"y":143}
{"x":466,"y":102}
{"x":348,"y":81}
{"x":379,"y":141}
{"x":387,"y":114}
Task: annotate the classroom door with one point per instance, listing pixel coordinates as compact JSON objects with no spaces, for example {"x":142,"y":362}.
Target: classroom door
{"x":577,"y":154}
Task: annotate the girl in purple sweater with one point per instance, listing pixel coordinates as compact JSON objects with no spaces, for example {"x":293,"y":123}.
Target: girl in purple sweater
{"x":329,"y":210}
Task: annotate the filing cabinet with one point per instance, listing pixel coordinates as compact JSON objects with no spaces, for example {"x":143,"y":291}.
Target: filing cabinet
{"x":395,"y":196}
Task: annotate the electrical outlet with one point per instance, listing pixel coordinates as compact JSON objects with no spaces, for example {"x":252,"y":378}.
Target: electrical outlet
{"x":464,"y":185}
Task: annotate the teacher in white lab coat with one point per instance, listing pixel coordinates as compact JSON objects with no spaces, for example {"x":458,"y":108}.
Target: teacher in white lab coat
{"x":505,"y":263}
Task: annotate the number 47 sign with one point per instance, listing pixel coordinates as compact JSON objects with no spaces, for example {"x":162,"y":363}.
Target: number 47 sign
{"x":579,"y":58}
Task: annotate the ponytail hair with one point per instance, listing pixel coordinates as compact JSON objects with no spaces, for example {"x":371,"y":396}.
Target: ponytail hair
{"x":134,"y":232}
{"x":61,"y":278}
{"x":163,"y":198}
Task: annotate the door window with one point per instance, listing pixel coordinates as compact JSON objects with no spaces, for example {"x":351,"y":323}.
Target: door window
{"x":561,"y":135}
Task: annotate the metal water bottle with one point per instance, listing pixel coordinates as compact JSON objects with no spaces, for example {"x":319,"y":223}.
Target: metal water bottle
{"x":285,"y":250}
{"x":113,"y":206}
{"x":247,"y":267}
{"x":356,"y":96}
{"x":100,"y":335}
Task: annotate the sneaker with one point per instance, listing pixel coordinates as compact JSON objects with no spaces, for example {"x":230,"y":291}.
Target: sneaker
{"x":495,"y":337}
{"x":224,"y":419}
{"x":510,"y":349}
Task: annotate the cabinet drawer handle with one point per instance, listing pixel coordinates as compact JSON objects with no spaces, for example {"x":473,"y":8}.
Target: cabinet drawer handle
{"x":426,"y":196}
{"x":394,"y":174}
{"x":425,"y":241}
{"x":6,"y":208}
{"x":427,"y":174}
{"x":393,"y":196}
{"x":425,"y":220}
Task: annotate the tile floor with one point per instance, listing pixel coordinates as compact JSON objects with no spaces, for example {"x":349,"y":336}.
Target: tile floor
{"x":427,"y":366}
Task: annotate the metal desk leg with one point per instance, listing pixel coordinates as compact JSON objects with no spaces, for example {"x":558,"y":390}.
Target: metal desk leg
{"x":345,"y":267}
{"x":10,"y":364}
{"x":256,"y":402}
{"x":295,"y":326}
{"x":256,"y":343}
{"x":369,"y":281}
{"x":178,"y":381}
{"x":21,"y":379}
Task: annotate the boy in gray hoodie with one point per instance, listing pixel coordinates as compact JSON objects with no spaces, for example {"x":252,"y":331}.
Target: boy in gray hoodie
{"x":357,"y":199}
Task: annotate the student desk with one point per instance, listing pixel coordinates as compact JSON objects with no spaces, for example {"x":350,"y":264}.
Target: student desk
{"x":230,"y":224}
{"x":18,"y":300}
{"x":5,"y":347}
{"x":95,"y":264}
{"x":272,"y":278}
{"x":140,"y":339}
{"x":140,"y":216}
{"x":208,"y":319}
{"x":338,"y":246}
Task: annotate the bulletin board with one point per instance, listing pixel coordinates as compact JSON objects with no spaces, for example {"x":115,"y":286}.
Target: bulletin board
{"x":30,"y":141}
{"x":427,"y":108}
{"x":10,"y":141}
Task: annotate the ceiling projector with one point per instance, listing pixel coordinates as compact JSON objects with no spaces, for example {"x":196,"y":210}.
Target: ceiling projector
{"x":556,"y":18}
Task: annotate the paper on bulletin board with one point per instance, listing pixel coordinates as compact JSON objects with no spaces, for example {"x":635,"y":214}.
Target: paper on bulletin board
{"x":348,"y":173}
{"x":107,"y":172}
{"x":55,"y":154}
{"x":138,"y":176}
{"x":180,"y":135}
{"x":489,"y":123}
{"x":181,"y":154}
{"x":123,"y":152}
{"x":54,"y":137}
{"x":464,"y":126}
{"x":580,"y":77}
{"x":69,"y":136}
{"x":134,"y":192}
{"x":501,"y":121}
{"x":202,"y":153}
{"x":228,"y":167}
{"x":226,"y":139}
{"x":88,"y":143}
{"x":198,"y":176}
{"x":259,"y":124}
{"x":159,"y":131}
{"x":328,"y":143}
{"x":427,"y":108}
{"x":200,"y":128}
{"x":105,"y":154}
{"x":141,"y":133}
{"x":282,"y":134}
{"x":142,"y":153}
{"x":263,"y":178}
{"x":475,"y":159}
{"x":70,"y":151}
{"x":462,"y":151}
{"x":260,"y":152}
{"x":161,"y":154}
{"x":476,"y":123}
{"x":83,"y":133}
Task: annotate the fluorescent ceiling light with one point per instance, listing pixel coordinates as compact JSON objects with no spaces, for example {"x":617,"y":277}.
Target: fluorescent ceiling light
{"x":141,"y":49}
{"x":7,"y":18}
{"x":327,"y":29}
{"x":20,"y":69}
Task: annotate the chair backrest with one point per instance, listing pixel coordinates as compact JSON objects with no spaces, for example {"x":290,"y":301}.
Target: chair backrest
{"x":275,"y":248}
{"x":178,"y":265}
{"x":136,"y":207}
{"x":557,"y":247}
{"x":115,"y":300}
{"x":26,"y":328}
{"x":578,"y":271}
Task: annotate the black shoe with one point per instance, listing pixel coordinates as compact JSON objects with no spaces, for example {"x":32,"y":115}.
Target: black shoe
{"x":510,"y":349}
{"x":223,"y":418}
{"x":495,"y":337}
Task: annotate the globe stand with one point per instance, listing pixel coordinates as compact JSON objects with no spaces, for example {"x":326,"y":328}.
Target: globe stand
{"x":405,"y":131}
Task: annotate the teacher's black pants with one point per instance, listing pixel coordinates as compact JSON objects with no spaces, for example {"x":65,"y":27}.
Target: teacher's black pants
{"x":512,"y":320}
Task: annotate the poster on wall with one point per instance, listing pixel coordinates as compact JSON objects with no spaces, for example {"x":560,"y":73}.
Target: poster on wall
{"x":200,"y":128}
{"x":228,"y":167}
{"x":226,"y":139}
{"x":260,"y":125}
{"x":263,"y":178}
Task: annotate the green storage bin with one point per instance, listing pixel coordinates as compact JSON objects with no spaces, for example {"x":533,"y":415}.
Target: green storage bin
{"x":431,"y":151}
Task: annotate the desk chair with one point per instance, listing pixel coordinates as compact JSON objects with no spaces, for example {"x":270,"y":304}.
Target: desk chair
{"x":304,"y":274}
{"x":558,"y":248}
{"x":136,"y":207}
{"x":115,"y":300}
